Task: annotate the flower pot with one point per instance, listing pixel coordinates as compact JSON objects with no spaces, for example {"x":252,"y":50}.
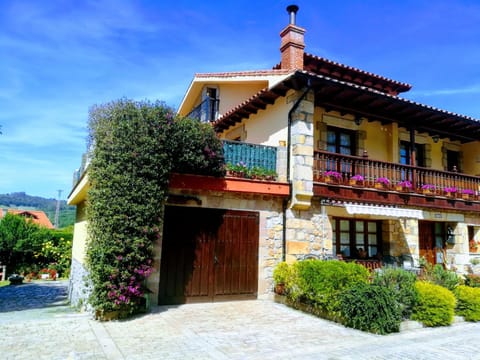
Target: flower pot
{"x":467,"y":196}
{"x":353,"y":182}
{"x":428,"y":192}
{"x":331,"y":180}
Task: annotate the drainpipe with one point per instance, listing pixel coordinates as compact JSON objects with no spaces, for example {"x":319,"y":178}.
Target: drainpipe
{"x":289,"y":134}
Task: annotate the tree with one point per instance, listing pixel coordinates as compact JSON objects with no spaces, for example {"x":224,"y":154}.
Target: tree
{"x":19,"y":240}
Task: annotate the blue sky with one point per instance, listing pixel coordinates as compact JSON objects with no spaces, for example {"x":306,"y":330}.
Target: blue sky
{"x":58,"y":58}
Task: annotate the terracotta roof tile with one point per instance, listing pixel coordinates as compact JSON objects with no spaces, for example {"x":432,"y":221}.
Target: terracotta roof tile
{"x":38,"y":217}
{"x":244,"y":73}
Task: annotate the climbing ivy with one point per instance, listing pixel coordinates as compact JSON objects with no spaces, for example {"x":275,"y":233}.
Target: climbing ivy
{"x":134,"y":148}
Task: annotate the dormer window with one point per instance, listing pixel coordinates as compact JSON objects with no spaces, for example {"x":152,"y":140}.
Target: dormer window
{"x":207,"y":110}
{"x":209,"y":104}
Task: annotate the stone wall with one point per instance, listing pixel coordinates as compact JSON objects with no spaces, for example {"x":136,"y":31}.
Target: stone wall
{"x":308,"y":233}
{"x":78,"y":290}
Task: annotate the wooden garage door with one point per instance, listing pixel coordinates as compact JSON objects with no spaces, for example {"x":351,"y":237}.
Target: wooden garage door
{"x":208,"y":255}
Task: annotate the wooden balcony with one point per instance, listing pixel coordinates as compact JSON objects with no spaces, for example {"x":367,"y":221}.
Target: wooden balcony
{"x":389,"y":183}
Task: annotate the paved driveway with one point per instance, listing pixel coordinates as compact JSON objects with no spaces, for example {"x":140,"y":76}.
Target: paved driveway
{"x":258,"y":329}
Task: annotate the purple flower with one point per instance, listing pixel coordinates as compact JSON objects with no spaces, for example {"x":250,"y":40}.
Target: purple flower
{"x":450,"y":189}
{"x":357,"y":177}
{"x":428,"y":187}
{"x":334,"y":174}
{"x":468,"y":192}
{"x":405,"y":184}
{"x":383,"y":180}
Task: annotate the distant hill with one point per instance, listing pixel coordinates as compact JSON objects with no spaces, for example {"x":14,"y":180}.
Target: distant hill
{"x":20,"y":200}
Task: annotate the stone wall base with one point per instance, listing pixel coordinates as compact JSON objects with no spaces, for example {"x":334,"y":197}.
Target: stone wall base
{"x":79,"y":287}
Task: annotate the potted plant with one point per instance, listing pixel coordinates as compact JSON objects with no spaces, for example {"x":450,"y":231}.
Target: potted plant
{"x":404,"y":185}
{"x":356,"y":180}
{"x":467,"y":194}
{"x":280,"y":277}
{"x":237,"y":170}
{"x":332,"y":176}
{"x":450,"y":191}
{"x":428,"y":189}
{"x":382,"y":183}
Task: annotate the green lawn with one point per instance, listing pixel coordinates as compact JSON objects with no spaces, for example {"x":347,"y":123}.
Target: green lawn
{"x":4,"y":283}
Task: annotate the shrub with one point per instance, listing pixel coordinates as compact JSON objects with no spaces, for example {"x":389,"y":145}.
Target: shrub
{"x":468,"y":302}
{"x":472,"y":280}
{"x":320,"y":282}
{"x":440,"y":276}
{"x":280,"y":273}
{"x":402,"y":283}
{"x":371,"y":307}
{"x":436,"y":305}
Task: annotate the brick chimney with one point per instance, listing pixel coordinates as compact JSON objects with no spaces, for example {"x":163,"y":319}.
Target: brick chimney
{"x":292,"y":44}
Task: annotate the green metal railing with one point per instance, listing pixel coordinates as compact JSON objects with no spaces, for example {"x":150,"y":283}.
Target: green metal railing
{"x":252,"y":155}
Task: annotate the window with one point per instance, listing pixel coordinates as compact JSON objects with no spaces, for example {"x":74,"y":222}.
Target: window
{"x":453,"y":160}
{"x":350,"y":237}
{"x":209,"y":105}
{"x":340,"y":141}
{"x":405,"y":154}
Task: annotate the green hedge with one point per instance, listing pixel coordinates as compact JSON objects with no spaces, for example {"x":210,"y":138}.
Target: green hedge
{"x":468,"y":302}
{"x":436,"y":305}
{"x":371,"y":307}
{"x":402,"y":283}
{"x":320,"y":283}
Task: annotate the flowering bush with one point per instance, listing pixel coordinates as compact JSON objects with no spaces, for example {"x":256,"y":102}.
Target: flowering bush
{"x":335,"y":174}
{"x":428,"y":187}
{"x":357,"y":177}
{"x":135,"y":147}
{"x":405,"y":184}
{"x":383,"y":180}
{"x":450,"y":189}
{"x":468,"y":192}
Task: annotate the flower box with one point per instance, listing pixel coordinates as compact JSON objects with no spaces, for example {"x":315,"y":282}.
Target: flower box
{"x":468,"y":194}
{"x":332,"y":177}
{"x":356,"y":180}
{"x":404,"y":186}
{"x":428,"y":189}
{"x":382,"y":183}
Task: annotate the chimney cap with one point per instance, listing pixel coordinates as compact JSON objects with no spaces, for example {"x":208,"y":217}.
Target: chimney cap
{"x":292,"y":10}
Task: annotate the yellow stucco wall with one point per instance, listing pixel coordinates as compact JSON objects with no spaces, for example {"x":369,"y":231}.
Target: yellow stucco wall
{"x":471,"y":158}
{"x":231,"y":95}
{"x":80,"y":234}
{"x":265,"y":127}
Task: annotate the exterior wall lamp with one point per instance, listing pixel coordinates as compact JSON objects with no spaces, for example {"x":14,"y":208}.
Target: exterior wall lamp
{"x":358,"y":120}
{"x":435,"y":138}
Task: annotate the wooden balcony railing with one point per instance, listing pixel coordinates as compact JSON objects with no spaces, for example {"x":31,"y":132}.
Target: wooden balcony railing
{"x":344,"y":167}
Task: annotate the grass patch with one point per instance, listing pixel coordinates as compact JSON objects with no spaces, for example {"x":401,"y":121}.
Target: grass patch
{"x":4,"y":283}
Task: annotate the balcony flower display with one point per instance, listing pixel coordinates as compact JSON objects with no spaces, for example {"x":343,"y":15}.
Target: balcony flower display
{"x":382,"y":182}
{"x":356,"y":180}
{"x":428,"y":189}
{"x":450,"y":191}
{"x":332,"y":176}
{"x":404,"y":185}
{"x":467,"y":194}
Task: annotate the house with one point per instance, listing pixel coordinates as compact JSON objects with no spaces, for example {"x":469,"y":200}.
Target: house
{"x":363,"y":175}
{"x":35,"y":216}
